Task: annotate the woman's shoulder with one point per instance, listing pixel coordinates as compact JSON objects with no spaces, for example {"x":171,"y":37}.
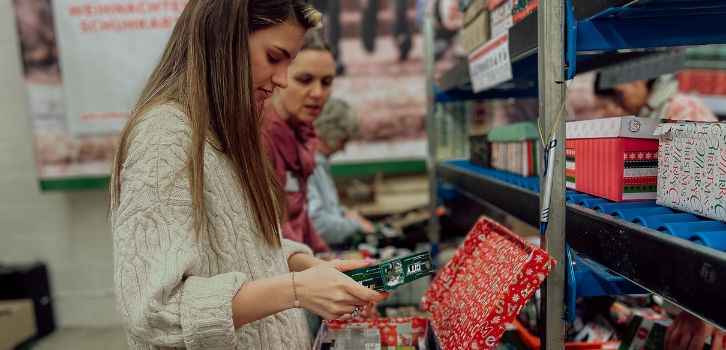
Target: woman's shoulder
{"x":164,"y":117}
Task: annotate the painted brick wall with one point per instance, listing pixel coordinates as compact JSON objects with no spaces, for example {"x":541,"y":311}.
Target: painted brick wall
{"x":67,"y":231}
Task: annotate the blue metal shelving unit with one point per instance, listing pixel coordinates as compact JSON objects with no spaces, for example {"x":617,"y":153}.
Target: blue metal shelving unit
{"x":665,"y":251}
{"x":619,"y":248}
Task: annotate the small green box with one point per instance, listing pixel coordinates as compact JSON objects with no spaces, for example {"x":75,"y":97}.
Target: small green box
{"x":390,"y":274}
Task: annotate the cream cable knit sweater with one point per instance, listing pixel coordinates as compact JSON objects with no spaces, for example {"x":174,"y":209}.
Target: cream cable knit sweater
{"x":174,"y":288}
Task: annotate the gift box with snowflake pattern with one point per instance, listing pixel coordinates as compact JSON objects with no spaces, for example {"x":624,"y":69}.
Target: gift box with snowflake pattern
{"x":484,"y":286}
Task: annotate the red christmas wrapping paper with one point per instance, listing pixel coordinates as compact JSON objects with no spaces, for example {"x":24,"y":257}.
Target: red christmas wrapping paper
{"x":484,"y":286}
{"x":692,"y":168}
{"x":613,"y":158}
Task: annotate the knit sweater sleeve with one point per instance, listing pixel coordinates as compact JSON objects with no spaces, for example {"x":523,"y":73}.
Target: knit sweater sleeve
{"x":156,"y":251}
{"x":290,"y":248}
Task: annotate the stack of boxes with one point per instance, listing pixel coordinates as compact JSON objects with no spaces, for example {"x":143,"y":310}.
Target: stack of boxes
{"x":514,"y":148}
{"x":486,"y":19}
{"x":476,"y":25}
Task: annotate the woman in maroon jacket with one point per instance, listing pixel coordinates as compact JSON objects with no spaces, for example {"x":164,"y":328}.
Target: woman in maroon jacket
{"x":290,"y":137}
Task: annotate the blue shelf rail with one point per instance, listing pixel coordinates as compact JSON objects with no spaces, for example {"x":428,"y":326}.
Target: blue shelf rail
{"x":697,"y":229}
{"x":586,"y":278}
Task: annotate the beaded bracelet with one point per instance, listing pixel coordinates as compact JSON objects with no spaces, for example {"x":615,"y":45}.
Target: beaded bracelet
{"x":296,"y":303}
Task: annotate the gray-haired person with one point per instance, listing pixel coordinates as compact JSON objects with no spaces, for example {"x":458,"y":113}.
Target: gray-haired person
{"x":336,"y":125}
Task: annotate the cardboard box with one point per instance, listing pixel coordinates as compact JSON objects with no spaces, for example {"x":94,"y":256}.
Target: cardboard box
{"x":17,"y":322}
{"x":522,"y":9}
{"x":613,"y":158}
{"x":692,"y":168}
{"x":472,"y":300}
{"x":476,"y":26}
{"x":374,"y":334}
{"x":644,"y":334}
{"x":500,"y":17}
{"x":515,"y":148}
{"x":480,"y":150}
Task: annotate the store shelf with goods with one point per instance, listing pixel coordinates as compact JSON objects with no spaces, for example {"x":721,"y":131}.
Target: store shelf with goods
{"x":513,"y":194}
{"x":660,"y":259}
{"x":599,"y":32}
{"x":689,"y":275}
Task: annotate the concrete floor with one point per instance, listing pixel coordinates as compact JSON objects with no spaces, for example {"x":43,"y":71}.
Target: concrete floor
{"x":84,"y":339}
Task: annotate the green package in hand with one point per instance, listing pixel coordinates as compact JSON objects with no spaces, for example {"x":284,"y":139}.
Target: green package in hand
{"x":390,"y":274}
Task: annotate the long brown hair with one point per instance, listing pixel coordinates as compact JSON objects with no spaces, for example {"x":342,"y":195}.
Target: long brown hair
{"x":206,"y":69}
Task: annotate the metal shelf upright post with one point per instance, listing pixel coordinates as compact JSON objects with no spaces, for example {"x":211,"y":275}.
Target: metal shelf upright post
{"x":551,"y":62}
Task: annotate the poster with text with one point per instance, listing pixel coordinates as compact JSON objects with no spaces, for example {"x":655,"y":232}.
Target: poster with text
{"x":84,"y":63}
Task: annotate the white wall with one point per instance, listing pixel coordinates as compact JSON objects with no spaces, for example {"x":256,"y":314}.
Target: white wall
{"x":67,"y":231}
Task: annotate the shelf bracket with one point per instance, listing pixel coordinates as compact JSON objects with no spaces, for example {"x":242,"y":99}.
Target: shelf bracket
{"x":570,"y":41}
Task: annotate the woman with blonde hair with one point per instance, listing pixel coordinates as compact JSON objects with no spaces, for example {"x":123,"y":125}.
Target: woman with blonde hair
{"x":195,"y":208}
{"x":290,"y":137}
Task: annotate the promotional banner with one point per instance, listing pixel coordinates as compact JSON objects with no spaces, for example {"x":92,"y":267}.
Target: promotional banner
{"x":86,"y":61}
{"x":108,"y":49}
{"x":84,"y":64}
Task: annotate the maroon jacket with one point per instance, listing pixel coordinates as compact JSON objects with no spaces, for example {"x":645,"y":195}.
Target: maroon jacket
{"x":292,"y":155}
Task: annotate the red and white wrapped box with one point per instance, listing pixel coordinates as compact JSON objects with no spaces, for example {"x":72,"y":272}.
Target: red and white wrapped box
{"x":613,"y":158}
{"x":484,"y":286}
{"x":692,"y":168}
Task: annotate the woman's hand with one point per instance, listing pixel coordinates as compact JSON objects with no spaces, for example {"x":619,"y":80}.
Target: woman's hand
{"x":326,"y":291}
{"x":690,"y":333}
{"x":366,"y":226}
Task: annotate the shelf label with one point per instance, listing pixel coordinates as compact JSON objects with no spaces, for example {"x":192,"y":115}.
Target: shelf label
{"x":490,"y":65}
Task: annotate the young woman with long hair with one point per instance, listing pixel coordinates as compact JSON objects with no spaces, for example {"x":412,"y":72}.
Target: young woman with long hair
{"x":195,"y":206}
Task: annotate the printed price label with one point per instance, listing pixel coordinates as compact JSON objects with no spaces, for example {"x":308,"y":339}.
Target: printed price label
{"x":490,"y":64}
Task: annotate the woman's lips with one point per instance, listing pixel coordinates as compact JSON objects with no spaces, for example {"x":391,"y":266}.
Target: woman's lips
{"x":314,"y":109}
{"x":263,"y":94}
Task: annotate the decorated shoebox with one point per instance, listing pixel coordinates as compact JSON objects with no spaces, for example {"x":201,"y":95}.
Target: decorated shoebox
{"x":472,"y":300}
{"x":613,"y":158}
{"x":514,"y":148}
{"x":692,"y":168}
{"x":484,"y":286}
